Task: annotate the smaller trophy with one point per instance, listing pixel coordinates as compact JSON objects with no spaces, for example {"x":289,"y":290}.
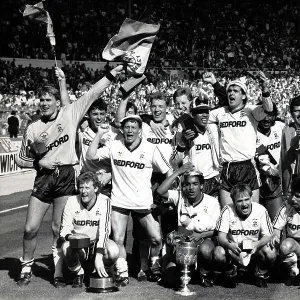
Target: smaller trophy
{"x":186,"y":255}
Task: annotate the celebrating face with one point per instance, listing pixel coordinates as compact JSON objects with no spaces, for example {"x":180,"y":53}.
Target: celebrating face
{"x":131,"y":131}
{"x":97,"y":117}
{"x":243,"y":204}
{"x":235,"y":97}
{"x":158,"y":110}
{"x":295,"y":201}
{"x":200,"y":117}
{"x":193,"y":188}
{"x":296,"y":115}
{"x":267,"y":122}
{"x":182,"y":104}
{"x":88,"y":193}
{"x":49,"y":106}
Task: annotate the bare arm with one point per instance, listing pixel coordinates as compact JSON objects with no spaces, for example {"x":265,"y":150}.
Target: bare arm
{"x":166,"y":184}
{"x":91,"y":153}
{"x":121,"y":111}
{"x":64,"y":96}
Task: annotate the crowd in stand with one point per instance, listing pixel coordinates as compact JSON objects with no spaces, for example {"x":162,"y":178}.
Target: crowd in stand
{"x":242,"y":34}
{"x":18,"y":85}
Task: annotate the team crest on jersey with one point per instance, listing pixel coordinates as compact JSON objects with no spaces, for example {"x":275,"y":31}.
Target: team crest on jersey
{"x":119,"y":153}
{"x":290,"y":218}
{"x":205,"y":209}
{"x":44,"y":136}
{"x":254,"y":223}
{"x":233,"y":222}
{"x":242,"y":114}
{"x":77,"y":212}
{"x":142,"y":155}
{"x":97,"y":212}
{"x":59,"y":128}
{"x":276,"y":135}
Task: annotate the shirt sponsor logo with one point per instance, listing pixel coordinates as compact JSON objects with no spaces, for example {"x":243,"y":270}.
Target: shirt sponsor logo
{"x":128,"y":163}
{"x":233,"y":124}
{"x":293,"y":226}
{"x":159,"y":141}
{"x":202,"y":147}
{"x":244,"y":232}
{"x":86,"y":223}
{"x":58,"y":142}
{"x":273,"y":146}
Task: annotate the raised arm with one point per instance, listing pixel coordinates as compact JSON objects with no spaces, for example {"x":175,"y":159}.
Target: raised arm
{"x":121,"y":111}
{"x":64,"y":96}
{"x":267,"y":103}
{"x":91,"y":153}
{"x":162,"y":190}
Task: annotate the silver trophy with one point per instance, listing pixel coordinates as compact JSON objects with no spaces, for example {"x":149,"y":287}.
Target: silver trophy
{"x":186,"y":255}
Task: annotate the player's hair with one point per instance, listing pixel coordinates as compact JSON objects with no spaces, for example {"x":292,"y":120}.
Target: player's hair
{"x":295,"y":186}
{"x":98,"y":104}
{"x":131,"y":105}
{"x":131,"y":120}
{"x":181,"y":92}
{"x":48,"y":89}
{"x":294,"y":102}
{"x":89,"y":176}
{"x":159,"y":96}
{"x":274,"y":112}
{"x":240,"y":189}
{"x":243,"y":92}
{"x":193,"y":174}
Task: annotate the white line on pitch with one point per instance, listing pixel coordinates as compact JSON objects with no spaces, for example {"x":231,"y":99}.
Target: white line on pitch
{"x":4,"y":211}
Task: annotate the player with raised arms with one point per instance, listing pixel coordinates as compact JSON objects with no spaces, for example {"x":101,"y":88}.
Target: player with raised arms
{"x":48,"y":146}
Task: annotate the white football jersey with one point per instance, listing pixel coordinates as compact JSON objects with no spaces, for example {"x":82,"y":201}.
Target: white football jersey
{"x":273,"y":141}
{"x":85,"y":139}
{"x":257,"y":224}
{"x":58,"y":136}
{"x":289,"y":218}
{"x":237,"y":131}
{"x":132,"y":171}
{"x":200,"y":155}
{"x":164,"y":144}
{"x":95,"y":222}
{"x":203,"y":216}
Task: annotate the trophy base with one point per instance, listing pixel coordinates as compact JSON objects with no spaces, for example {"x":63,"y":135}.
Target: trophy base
{"x":185,"y":293}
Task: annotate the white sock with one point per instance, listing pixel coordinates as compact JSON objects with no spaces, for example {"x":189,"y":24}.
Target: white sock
{"x":77,"y":268}
{"x":122,"y":267}
{"x":58,"y":261}
{"x":290,"y":260}
{"x":155,"y":262}
{"x":26,"y":265}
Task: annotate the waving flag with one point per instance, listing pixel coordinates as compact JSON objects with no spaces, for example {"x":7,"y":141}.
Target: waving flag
{"x":38,"y":14}
{"x":132,"y":44}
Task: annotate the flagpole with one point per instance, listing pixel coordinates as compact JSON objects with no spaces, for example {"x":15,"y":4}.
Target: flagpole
{"x":52,"y":46}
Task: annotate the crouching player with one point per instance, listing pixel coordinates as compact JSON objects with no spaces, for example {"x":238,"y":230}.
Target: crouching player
{"x":288,"y":216}
{"x":244,"y":231}
{"x":88,"y":213}
{"x":197,"y":214}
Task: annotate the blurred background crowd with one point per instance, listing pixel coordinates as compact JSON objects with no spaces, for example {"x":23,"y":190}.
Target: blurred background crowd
{"x":228,"y":39}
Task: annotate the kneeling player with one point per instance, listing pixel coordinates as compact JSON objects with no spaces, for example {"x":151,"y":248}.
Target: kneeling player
{"x":88,"y":213}
{"x":288,"y":216}
{"x":244,"y":231}
{"x":198,"y":214}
